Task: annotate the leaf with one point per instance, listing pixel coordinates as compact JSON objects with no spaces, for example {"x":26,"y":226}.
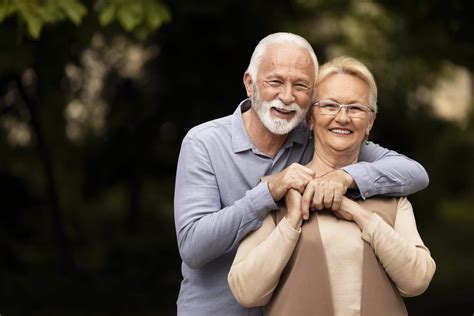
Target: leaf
{"x":157,"y":14}
{"x":107,"y":13}
{"x":130,"y":15}
{"x":141,"y":32}
{"x":30,"y":15}
{"x":34,"y":25}
{"x":74,"y":9}
{"x":50,"y":12}
{"x":7,"y":8}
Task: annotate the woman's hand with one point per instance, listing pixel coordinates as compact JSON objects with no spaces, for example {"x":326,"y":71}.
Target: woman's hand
{"x":294,"y":215}
{"x":353,"y":211}
{"x":326,"y":191}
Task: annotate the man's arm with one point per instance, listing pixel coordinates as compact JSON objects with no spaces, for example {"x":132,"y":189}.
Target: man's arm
{"x":385,"y":172}
{"x":379,"y":172}
{"x":206,"y":230}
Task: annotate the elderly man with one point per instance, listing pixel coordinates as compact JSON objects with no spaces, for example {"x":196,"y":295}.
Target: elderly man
{"x":220,"y":196}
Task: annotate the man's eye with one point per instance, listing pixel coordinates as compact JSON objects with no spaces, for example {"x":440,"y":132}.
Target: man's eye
{"x":301,"y":86}
{"x":274,"y":83}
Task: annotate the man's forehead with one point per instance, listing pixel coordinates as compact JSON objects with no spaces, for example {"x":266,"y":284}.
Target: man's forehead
{"x":289,"y":57}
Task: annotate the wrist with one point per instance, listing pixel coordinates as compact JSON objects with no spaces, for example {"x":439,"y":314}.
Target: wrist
{"x":275,"y":191}
{"x":348,"y":180}
{"x":362,"y":217}
{"x":294,"y":221}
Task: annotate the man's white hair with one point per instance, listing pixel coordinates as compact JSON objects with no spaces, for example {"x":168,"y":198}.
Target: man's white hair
{"x":279,"y":38}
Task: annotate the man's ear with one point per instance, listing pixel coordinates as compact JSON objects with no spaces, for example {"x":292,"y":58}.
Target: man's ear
{"x":309,"y":119}
{"x":248,"y":83}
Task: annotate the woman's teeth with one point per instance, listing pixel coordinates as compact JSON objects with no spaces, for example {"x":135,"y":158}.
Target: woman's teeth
{"x":340,"y":131}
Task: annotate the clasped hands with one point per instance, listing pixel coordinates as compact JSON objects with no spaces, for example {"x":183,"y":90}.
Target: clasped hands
{"x":304,"y":190}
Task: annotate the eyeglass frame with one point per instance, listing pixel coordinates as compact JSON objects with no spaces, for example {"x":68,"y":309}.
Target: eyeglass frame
{"x":346,"y":106}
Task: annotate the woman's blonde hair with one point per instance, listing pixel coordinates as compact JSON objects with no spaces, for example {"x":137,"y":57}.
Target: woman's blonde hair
{"x":350,"y":66}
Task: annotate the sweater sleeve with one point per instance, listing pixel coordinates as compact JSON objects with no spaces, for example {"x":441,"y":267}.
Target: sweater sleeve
{"x":401,"y":251}
{"x":260,"y":260}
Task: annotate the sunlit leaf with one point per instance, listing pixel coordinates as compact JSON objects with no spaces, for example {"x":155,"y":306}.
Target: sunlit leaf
{"x":157,"y":14}
{"x":74,"y":9}
{"x":130,"y":15}
{"x":50,"y":12}
{"x":7,"y":7}
{"x":107,"y":13}
{"x":29,"y":13}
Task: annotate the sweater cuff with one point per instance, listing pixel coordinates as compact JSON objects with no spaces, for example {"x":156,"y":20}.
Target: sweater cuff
{"x":288,"y":231}
{"x":262,"y":200}
{"x":369,"y":229}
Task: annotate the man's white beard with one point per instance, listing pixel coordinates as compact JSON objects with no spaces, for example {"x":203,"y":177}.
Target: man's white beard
{"x":277,"y":125}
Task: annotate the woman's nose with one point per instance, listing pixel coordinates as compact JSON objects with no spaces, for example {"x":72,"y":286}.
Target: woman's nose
{"x":343,"y":115}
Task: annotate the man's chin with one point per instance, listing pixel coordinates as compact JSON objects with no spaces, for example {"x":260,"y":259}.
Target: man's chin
{"x":280,"y":129}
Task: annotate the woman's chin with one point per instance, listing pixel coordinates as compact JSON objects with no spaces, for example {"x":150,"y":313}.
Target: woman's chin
{"x":344,"y":146}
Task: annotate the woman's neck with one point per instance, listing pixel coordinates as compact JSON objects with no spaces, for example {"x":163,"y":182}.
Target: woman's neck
{"x":325,"y":161}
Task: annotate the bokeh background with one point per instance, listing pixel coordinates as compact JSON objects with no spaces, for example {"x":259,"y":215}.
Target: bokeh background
{"x":96,"y":96}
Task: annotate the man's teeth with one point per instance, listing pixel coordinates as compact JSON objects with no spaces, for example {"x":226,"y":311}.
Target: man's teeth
{"x":282,"y":111}
{"x":340,"y":131}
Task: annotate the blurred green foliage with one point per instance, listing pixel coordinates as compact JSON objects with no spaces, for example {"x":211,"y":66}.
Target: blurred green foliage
{"x":35,"y":13}
{"x":92,"y":114}
{"x":142,"y":17}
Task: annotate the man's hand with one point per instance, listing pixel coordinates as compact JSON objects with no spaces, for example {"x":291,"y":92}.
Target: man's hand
{"x":294,"y":176}
{"x":326,"y":191}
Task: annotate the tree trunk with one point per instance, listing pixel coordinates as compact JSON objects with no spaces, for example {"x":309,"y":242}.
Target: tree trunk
{"x":59,"y":235}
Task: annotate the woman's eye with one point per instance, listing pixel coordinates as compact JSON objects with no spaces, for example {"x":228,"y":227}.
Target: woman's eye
{"x":355,"y":108}
{"x":332,"y":107}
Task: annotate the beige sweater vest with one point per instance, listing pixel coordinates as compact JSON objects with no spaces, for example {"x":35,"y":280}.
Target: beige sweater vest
{"x":304,"y":287}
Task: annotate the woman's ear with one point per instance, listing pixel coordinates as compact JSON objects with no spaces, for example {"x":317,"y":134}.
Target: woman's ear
{"x":370,"y":124}
{"x":248,"y":83}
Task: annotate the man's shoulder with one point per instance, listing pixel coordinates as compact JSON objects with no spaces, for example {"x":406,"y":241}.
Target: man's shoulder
{"x":217,"y":128}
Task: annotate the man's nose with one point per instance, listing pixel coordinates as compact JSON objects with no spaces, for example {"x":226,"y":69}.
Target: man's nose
{"x":286,"y":94}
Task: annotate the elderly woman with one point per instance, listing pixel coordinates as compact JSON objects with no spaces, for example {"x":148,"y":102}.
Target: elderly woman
{"x":359,"y":260}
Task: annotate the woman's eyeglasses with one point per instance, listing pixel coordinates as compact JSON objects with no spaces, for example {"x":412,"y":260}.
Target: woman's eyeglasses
{"x":329,"y":107}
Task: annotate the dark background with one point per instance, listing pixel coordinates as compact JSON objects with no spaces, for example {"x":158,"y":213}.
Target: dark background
{"x":93,"y":107}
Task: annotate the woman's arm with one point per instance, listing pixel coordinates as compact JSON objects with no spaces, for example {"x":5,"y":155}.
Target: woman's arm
{"x":400,"y":249}
{"x":262,"y":256}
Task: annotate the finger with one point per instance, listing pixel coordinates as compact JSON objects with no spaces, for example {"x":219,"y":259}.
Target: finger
{"x":295,"y":180}
{"x":328,"y":197}
{"x":297,"y":167}
{"x":306,"y":200}
{"x":299,"y":185}
{"x":318,"y":199}
{"x":309,"y":171}
{"x":305,"y":178}
{"x":304,"y":174}
{"x":336,"y":203}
